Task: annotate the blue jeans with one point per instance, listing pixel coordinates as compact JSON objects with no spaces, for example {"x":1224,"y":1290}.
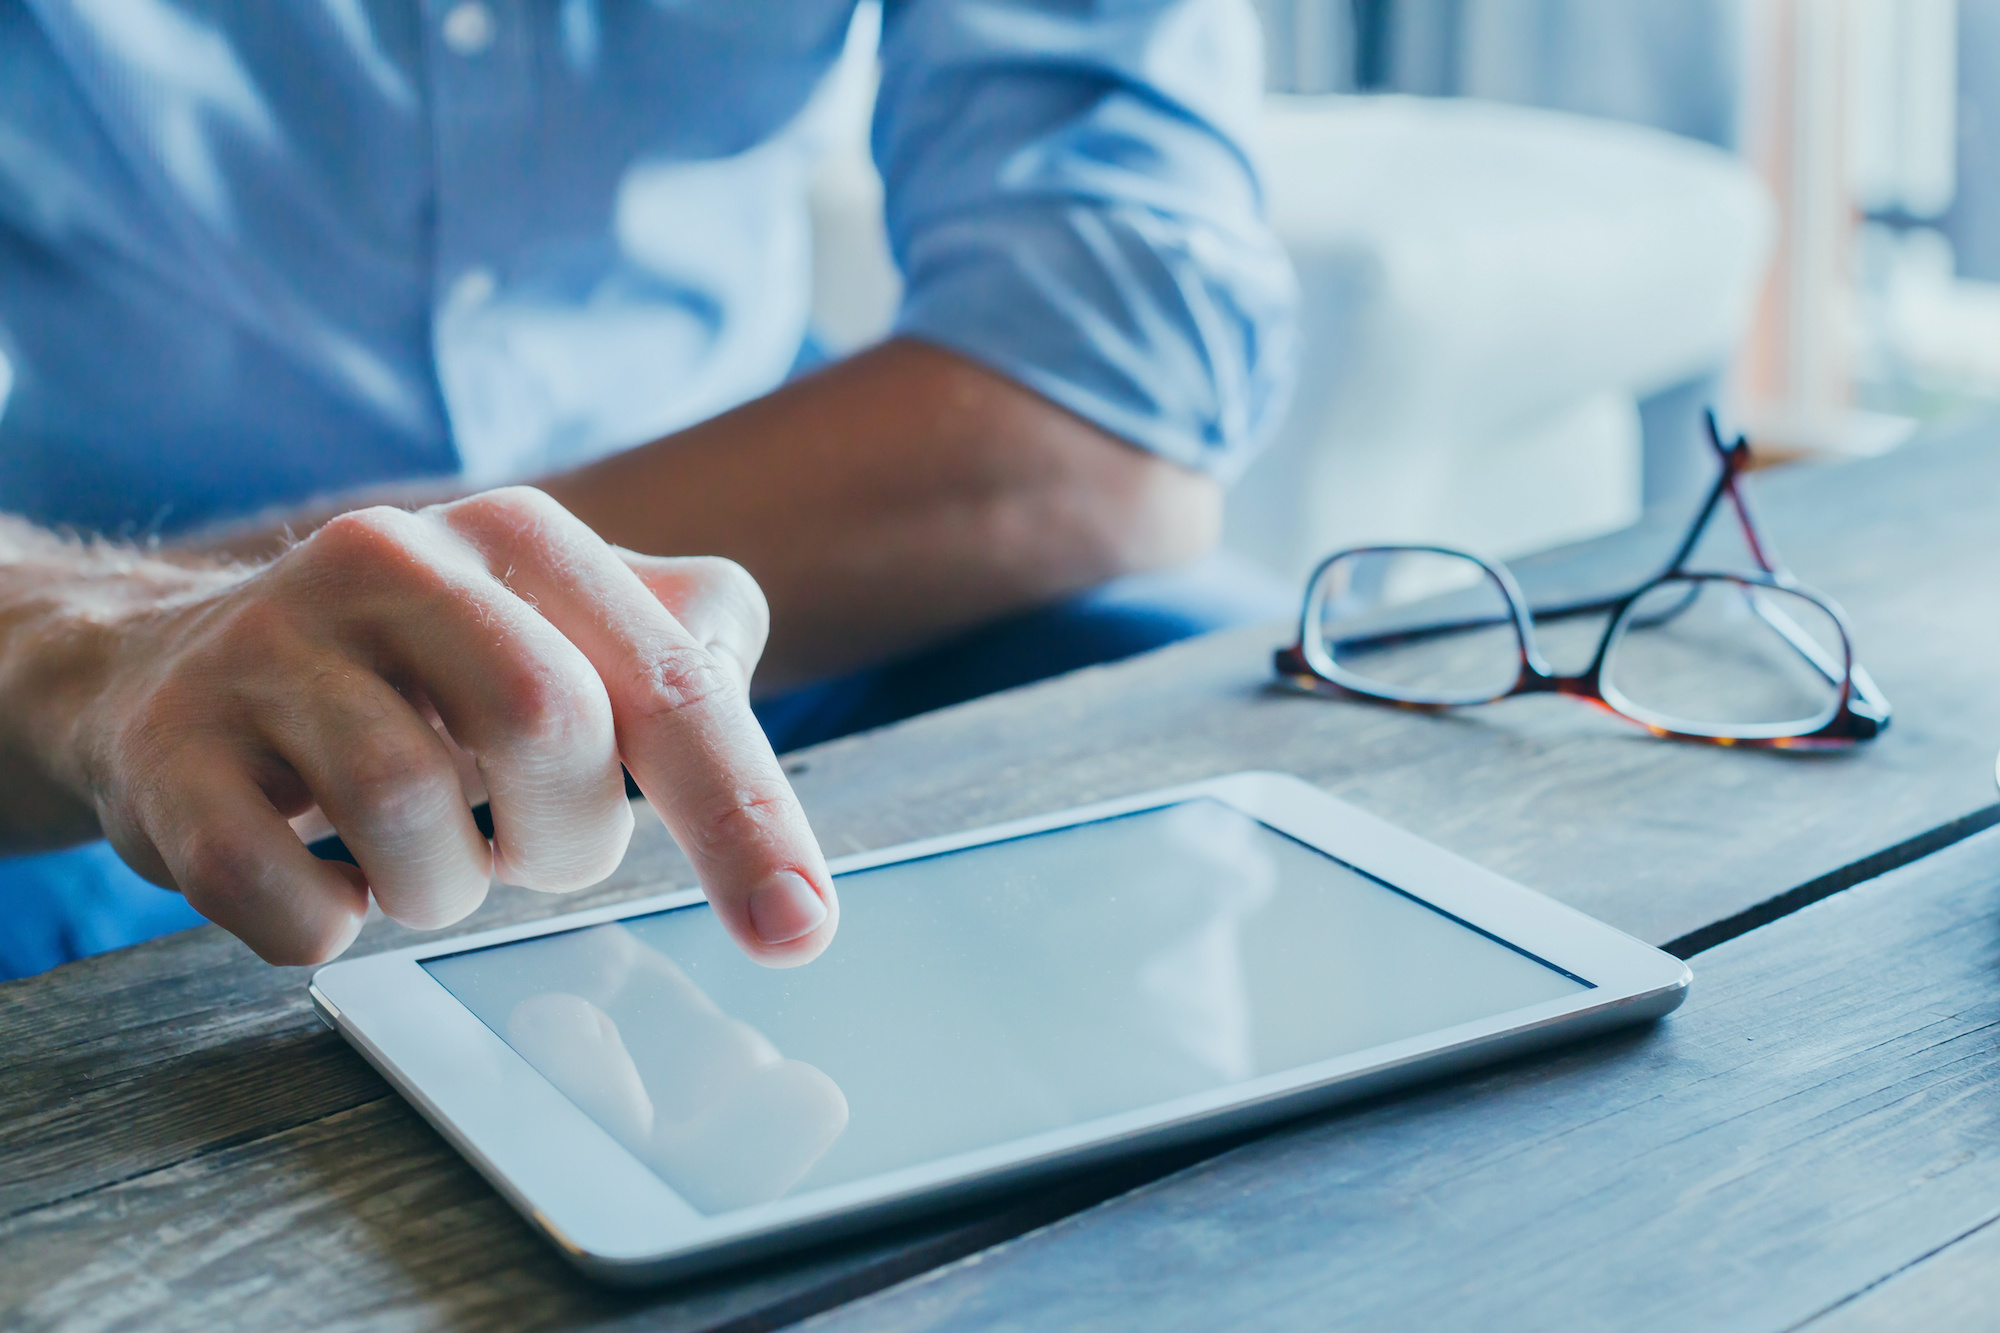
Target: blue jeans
{"x":64,"y":905}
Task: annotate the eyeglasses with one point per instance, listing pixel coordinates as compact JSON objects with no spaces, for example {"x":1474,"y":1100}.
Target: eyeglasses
{"x":1752,"y":658}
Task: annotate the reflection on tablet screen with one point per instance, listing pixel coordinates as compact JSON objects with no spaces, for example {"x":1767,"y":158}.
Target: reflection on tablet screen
{"x":979,"y":996}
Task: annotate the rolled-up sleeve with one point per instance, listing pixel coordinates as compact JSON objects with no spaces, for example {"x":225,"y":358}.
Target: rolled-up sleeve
{"x":1071,"y":202}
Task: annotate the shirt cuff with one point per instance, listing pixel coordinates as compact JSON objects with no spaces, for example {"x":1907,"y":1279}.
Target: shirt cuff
{"x":1171,"y":335}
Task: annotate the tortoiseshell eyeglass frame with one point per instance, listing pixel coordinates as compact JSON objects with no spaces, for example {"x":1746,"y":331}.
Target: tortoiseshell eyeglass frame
{"x":1859,"y":713}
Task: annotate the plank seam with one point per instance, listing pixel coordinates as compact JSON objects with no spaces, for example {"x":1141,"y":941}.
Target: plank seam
{"x":1846,"y":877}
{"x":1035,"y":1211}
{"x":1892,"y":1275}
{"x":847,"y":1288}
{"x":205,"y":1150}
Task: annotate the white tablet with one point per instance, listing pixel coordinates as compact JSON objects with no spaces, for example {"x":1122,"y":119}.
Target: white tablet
{"x":998,"y":1005}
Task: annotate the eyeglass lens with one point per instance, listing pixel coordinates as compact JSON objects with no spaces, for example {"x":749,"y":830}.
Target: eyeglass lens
{"x":1716,"y":655}
{"x":1417,"y":625}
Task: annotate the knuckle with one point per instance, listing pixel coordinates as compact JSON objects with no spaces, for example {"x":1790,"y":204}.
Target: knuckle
{"x":740,"y":817}
{"x":219,"y":874}
{"x":363,"y":531}
{"x":682,"y":677}
{"x":512,"y":511}
{"x":381,"y":541}
{"x":528,"y":501}
{"x":545,"y":709}
{"x":392,"y":778}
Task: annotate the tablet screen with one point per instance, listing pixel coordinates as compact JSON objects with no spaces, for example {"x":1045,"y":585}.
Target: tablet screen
{"x":978,"y":996}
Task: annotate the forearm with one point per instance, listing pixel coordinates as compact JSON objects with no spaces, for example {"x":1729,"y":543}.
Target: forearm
{"x":894,"y":498}
{"x":881,"y":503}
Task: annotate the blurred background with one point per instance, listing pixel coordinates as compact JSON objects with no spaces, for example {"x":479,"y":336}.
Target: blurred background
{"x":1535,"y":237}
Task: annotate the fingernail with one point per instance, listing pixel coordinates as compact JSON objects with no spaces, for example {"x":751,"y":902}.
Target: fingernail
{"x":785,"y":907}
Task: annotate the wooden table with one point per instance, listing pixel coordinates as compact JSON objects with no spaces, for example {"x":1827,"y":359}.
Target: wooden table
{"x":183,"y":1146}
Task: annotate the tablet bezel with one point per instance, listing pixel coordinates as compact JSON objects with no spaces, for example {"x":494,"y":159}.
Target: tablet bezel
{"x":618,"y":1221}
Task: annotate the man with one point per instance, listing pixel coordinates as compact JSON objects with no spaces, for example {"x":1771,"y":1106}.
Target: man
{"x":257,"y":256}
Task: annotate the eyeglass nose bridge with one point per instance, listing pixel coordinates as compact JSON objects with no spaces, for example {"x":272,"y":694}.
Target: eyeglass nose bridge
{"x":1538,"y":677}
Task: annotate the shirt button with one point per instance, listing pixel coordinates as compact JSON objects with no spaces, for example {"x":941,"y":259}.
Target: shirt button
{"x":468,"y":28}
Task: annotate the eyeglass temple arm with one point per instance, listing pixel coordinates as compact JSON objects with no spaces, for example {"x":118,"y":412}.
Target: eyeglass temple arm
{"x":1802,"y":643}
{"x":1735,"y":459}
{"x":1865,"y":698}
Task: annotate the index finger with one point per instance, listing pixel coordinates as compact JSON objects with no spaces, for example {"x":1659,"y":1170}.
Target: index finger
{"x":683,"y":723}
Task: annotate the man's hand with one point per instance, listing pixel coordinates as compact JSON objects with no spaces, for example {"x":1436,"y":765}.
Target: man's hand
{"x":355,"y":673}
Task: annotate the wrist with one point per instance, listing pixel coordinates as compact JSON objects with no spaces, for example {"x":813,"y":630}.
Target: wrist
{"x":68,"y":614}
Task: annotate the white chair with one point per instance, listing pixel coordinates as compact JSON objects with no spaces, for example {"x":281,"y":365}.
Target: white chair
{"x":1488,"y":291}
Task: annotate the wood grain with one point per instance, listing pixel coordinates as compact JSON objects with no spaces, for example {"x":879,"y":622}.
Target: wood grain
{"x":186,"y":1065}
{"x":366,"y":1217}
{"x":1819,"y":1115}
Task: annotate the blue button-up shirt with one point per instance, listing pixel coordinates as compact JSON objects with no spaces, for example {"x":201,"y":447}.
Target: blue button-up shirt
{"x":252,"y":252}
